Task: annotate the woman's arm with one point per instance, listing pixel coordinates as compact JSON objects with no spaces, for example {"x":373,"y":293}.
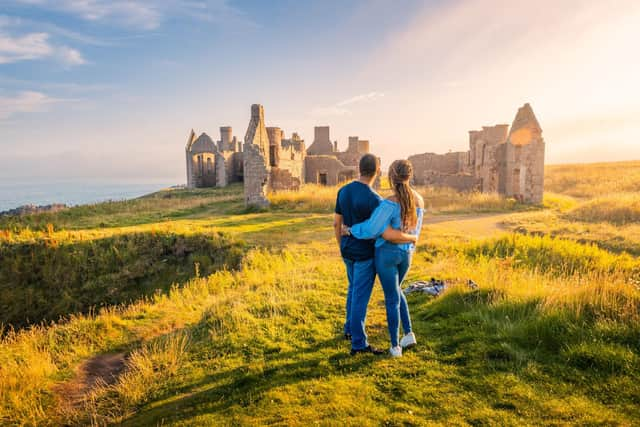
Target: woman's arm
{"x":419,"y":224}
{"x":376,"y":224}
{"x":396,"y":236}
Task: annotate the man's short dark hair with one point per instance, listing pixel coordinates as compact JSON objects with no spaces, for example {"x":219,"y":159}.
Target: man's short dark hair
{"x":369,"y":165}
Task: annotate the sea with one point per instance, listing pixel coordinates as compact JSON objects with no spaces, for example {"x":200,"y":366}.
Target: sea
{"x":73,"y":192}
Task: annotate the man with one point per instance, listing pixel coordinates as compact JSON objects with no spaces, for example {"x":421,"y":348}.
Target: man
{"x":355,"y":203}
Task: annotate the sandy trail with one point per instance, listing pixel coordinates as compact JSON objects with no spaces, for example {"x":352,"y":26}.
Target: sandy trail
{"x":468,"y":225}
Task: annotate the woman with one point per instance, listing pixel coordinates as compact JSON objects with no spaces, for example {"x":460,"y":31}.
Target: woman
{"x":404,"y":211}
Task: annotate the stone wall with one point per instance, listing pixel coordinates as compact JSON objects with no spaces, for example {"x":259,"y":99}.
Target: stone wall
{"x":357,"y":145}
{"x":226,"y":139}
{"x":256,"y":176}
{"x":459,"y":182}
{"x":524,"y":158}
{"x":256,"y":162}
{"x":221,"y":170}
{"x":257,"y":132}
{"x":425,"y":164}
{"x":275,"y":144}
{"x":321,"y":142}
{"x":499,"y":160}
{"x":212,"y":164}
{"x":328,"y":170}
{"x":284,"y":180}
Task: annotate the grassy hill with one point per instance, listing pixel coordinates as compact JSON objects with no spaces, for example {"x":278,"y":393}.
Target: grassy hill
{"x":253,"y":334}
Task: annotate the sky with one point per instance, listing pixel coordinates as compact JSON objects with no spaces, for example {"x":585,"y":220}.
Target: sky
{"x":97,"y":89}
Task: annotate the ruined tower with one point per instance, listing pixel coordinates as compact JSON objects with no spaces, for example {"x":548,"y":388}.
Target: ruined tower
{"x":524,"y":158}
{"x":256,"y":159}
{"x":187,"y":149}
{"x":226,"y":138}
{"x":321,"y":142}
{"x":275,"y":143}
{"x":201,"y":159}
{"x":500,"y":160}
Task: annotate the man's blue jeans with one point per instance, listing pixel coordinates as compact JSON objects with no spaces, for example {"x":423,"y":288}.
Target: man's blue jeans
{"x":392,"y":264}
{"x":361,"y":275}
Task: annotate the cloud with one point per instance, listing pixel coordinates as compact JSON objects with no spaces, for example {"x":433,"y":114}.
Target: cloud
{"x":33,"y":46}
{"x":458,"y":65}
{"x":146,"y":15}
{"x":340,"y":108}
{"x":129,"y":13}
{"x":69,"y":56}
{"x":25,"y":102}
{"x":30,"y":46}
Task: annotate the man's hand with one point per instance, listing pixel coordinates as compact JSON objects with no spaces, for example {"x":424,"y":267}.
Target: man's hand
{"x":346,"y":230}
{"x":396,"y":236}
{"x":337,"y":227}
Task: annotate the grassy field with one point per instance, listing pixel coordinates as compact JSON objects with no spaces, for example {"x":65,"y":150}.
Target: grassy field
{"x":551,"y":337}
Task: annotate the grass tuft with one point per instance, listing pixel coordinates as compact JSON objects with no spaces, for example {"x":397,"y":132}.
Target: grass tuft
{"x":618,"y":209}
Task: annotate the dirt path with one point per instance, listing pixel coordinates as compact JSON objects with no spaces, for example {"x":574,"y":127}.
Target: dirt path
{"x":103,"y":369}
{"x":468,"y":225}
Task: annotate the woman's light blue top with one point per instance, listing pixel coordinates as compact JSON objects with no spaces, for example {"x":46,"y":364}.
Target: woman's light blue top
{"x":386,"y":214}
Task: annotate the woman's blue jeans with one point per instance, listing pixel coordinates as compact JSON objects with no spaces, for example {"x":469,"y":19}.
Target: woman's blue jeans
{"x":392,"y":264}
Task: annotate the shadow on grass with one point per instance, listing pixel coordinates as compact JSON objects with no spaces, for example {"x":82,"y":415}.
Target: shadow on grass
{"x":248,"y":384}
{"x":47,"y":279}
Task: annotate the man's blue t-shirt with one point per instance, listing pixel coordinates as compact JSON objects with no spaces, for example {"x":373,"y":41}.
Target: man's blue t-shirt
{"x":356,"y":202}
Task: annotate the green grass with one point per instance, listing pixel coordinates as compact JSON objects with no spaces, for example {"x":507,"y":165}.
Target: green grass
{"x":57,"y":275}
{"x":164,"y":205}
{"x":552,"y":336}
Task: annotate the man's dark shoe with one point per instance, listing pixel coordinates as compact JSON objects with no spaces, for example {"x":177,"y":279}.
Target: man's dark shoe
{"x":367,"y":349}
{"x":347,"y":337}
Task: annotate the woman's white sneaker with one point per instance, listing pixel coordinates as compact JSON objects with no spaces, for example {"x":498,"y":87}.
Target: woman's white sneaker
{"x":396,"y":351}
{"x":408,"y":340}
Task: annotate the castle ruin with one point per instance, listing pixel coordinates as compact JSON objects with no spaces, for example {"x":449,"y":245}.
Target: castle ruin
{"x":499,"y":160}
{"x":269,"y":161}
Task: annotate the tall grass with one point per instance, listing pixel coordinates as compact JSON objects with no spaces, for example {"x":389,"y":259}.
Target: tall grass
{"x":317,"y":198}
{"x":279,"y":295}
{"x":547,"y":254}
{"x":552,"y":335}
{"x":619,"y":209}
{"x":146,"y":370}
{"x":310,"y":198}
{"x":594,"y":179}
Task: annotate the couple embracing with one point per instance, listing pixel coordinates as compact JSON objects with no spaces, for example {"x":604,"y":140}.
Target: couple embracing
{"x":378,"y":236}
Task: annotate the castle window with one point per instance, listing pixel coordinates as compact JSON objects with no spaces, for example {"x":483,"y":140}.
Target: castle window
{"x":209,"y":166}
{"x":322,"y":178}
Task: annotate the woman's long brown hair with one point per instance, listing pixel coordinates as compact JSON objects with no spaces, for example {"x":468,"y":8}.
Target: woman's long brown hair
{"x":400,"y":173}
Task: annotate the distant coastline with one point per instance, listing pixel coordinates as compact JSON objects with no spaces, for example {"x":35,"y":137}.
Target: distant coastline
{"x":16,"y":195}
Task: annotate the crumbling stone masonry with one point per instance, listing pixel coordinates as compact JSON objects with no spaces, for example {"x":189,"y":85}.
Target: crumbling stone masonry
{"x":257,"y":162}
{"x":326,"y":165}
{"x":498,"y":161}
{"x":268,"y":160}
{"x":212,"y":164}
